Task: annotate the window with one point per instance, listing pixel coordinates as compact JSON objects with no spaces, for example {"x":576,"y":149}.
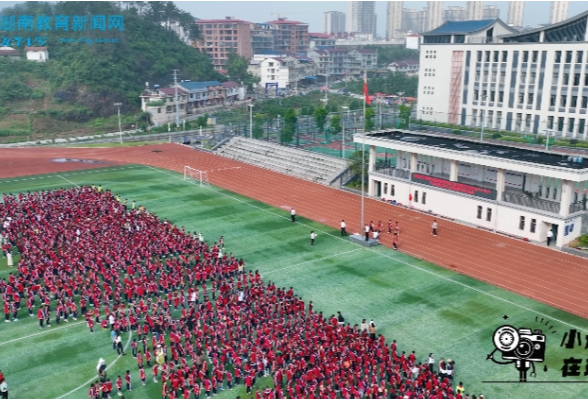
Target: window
{"x":416,"y":196}
{"x":552,"y":100}
{"x":569,"y":56}
{"x":479,"y":56}
{"x":576,"y":79}
{"x":479,"y":212}
{"x":522,"y":223}
{"x":492,"y":95}
{"x":424,"y":198}
{"x":496,"y":56}
{"x":501,"y":96}
{"x":502,"y":76}
{"x":528,"y":121}
{"x":498,"y":118}
{"x":521,"y":98}
{"x":504,"y":56}
{"x":557,"y":57}
{"x":533,"y":225}
{"x":563,"y":100}
{"x":159,"y":110}
{"x":484,"y":95}
{"x":535,"y":56}
{"x":566,"y":79}
{"x":533,"y":77}
{"x":550,"y":122}
{"x":554,"y":193}
{"x":490,"y":117}
{"x":476,"y":94}
{"x":560,"y":124}
{"x":579,"y":56}
{"x":392,"y":191}
{"x":525,"y":56}
{"x":531,"y":98}
{"x":584,"y":101}
{"x":581,"y":126}
{"x":586,"y":79}
{"x":571,"y":122}
{"x":574,"y":101}
{"x":385,"y":188}
{"x":523,"y":76}
{"x":487,"y":58}
{"x":555,"y":78}
{"x":488,"y":214}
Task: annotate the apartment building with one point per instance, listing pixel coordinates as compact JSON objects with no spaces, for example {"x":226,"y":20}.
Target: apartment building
{"x":290,"y":36}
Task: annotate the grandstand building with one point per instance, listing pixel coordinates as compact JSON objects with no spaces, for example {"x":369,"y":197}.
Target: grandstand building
{"x":483,"y":73}
{"x":519,"y":192}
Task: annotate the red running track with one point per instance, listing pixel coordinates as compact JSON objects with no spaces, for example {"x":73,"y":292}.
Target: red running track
{"x":546,"y":275}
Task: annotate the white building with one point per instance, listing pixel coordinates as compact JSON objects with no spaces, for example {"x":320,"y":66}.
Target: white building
{"x":408,"y":67}
{"x":559,"y":11}
{"x":367,"y":57}
{"x":434,"y":14}
{"x":475,"y":10}
{"x":413,"y":41}
{"x":393,"y":19}
{"x":482,"y":73}
{"x":39,"y":54}
{"x":320,"y":40}
{"x":516,"y":12}
{"x":285,"y":72}
{"x":515,"y":191}
{"x":362,"y":17}
{"x":334,"y":22}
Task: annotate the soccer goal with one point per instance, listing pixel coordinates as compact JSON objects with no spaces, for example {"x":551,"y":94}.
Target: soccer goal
{"x":193,"y":174}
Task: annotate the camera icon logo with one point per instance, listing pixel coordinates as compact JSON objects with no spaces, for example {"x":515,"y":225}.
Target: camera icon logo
{"x":522,"y":347}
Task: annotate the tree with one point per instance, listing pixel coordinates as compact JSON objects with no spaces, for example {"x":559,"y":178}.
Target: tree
{"x":355,"y":105}
{"x":369,"y":119}
{"x":354,"y":162}
{"x":257,"y":126}
{"x":404,"y":114}
{"x":336,"y":124}
{"x":237,"y":70}
{"x":202,"y":121}
{"x":320,"y":118}
{"x":289,"y":129}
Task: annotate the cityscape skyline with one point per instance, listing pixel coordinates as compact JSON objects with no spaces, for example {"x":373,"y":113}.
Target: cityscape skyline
{"x":259,"y":11}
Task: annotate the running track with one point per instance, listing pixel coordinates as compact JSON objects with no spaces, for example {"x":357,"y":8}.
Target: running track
{"x":549,"y":276}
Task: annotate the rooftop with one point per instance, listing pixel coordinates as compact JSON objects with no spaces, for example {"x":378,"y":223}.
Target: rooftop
{"x":221,"y":21}
{"x":199,"y":85}
{"x":320,"y":35}
{"x":485,"y":149}
{"x":461,"y":27}
{"x":284,"y":21}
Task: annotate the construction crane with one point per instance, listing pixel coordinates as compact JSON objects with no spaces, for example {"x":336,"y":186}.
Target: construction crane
{"x":279,"y":13}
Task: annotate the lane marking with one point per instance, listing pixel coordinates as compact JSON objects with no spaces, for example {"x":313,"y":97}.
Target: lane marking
{"x":42,"y":332}
{"x":389,"y":257}
{"x":67,"y":180}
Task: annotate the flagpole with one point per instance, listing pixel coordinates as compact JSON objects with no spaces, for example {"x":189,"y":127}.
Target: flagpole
{"x":363,"y":159}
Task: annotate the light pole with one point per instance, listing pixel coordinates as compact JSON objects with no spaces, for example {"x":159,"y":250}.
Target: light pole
{"x":119,"y":124}
{"x":400,"y":94}
{"x":482,"y":118}
{"x":547,"y":131}
{"x":250,"y":120}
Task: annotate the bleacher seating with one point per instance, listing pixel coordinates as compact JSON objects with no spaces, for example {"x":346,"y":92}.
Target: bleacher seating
{"x":304,"y":164}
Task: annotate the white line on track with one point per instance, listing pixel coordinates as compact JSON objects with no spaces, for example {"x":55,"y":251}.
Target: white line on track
{"x":387,"y":256}
{"x":96,"y":376}
{"x":67,"y":180}
{"x":44,"y":331}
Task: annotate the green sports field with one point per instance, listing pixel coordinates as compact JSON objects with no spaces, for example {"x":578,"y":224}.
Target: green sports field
{"x":424,"y":307}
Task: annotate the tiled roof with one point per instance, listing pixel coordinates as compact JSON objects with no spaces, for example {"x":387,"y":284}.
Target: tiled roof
{"x":199,"y":85}
{"x":220,"y":21}
{"x":230,"y":84}
{"x":36,"y":48}
{"x":461,"y":27}
{"x":320,"y":35}
{"x":172,"y":91}
{"x":365,"y":51}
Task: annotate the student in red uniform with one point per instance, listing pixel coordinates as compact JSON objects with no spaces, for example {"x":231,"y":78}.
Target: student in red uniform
{"x":142,"y":375}
{"x":155,"y":370}
{"x":128,"y":381}
{"x":41,"y":317}
{"x":119,"y":386}
{"x":395,"y":241}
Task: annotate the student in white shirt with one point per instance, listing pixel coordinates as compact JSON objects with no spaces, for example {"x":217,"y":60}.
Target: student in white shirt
{"x":343,"y":228}
{"x":312,"y":237}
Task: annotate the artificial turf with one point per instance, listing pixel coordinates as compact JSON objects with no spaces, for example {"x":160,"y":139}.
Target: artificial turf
{"x":423,"y":307}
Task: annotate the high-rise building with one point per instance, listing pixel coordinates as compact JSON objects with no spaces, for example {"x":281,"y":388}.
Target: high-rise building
{"x":434,"y":14}
{"x":516,"y":10}
{"x":334,"y":22}
{"x":414,"y":20}
{"x":491,"y":12}
{"x":559,"y":11}
{"x":362,"y":17}
{"x":290,"y":36}
{"x":393,"y":19}
{"x":223,"y":36}
{"x":455,"y":13}
{"x":475,"y":10}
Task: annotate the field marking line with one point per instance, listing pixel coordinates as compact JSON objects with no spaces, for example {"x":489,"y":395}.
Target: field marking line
{"x":44,"y":331}
{"x":96,"y":376}
{"x":78,"y":172}
{"x":310,"y":261}
{"x":396,"y":259}
{"x":67,"y":180}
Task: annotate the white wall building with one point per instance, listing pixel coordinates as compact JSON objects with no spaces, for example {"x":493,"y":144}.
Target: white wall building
{"x":477,"y":72}
{"x":475,"y":10}
{"x":515,"y":191}
{"x":434,"y":14}
{"x":286,"y":72}
{"x":39,"y":54}
{"x":334,"y":22}
{"x":393,"y":19}
{"x":516,"y":12}
{"x":413,"y":41}
{"x":559,"y":11}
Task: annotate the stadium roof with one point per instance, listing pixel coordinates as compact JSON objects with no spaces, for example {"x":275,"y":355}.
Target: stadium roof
{"x":560,"y":26}
{"x":461,"y":27}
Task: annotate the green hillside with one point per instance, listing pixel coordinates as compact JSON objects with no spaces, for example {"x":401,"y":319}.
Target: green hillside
{"x":73,"y":93}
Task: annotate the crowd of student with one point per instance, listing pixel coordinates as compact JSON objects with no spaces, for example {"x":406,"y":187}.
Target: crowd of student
{"x":200,"y":322}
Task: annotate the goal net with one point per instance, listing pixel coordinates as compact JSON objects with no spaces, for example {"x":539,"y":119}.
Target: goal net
{"x":195,"y":175}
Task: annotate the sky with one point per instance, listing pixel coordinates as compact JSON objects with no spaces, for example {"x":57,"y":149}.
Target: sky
{"x":311,"y":12}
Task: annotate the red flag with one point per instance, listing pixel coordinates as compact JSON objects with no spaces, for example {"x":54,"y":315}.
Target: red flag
{"x":365,"y":89}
